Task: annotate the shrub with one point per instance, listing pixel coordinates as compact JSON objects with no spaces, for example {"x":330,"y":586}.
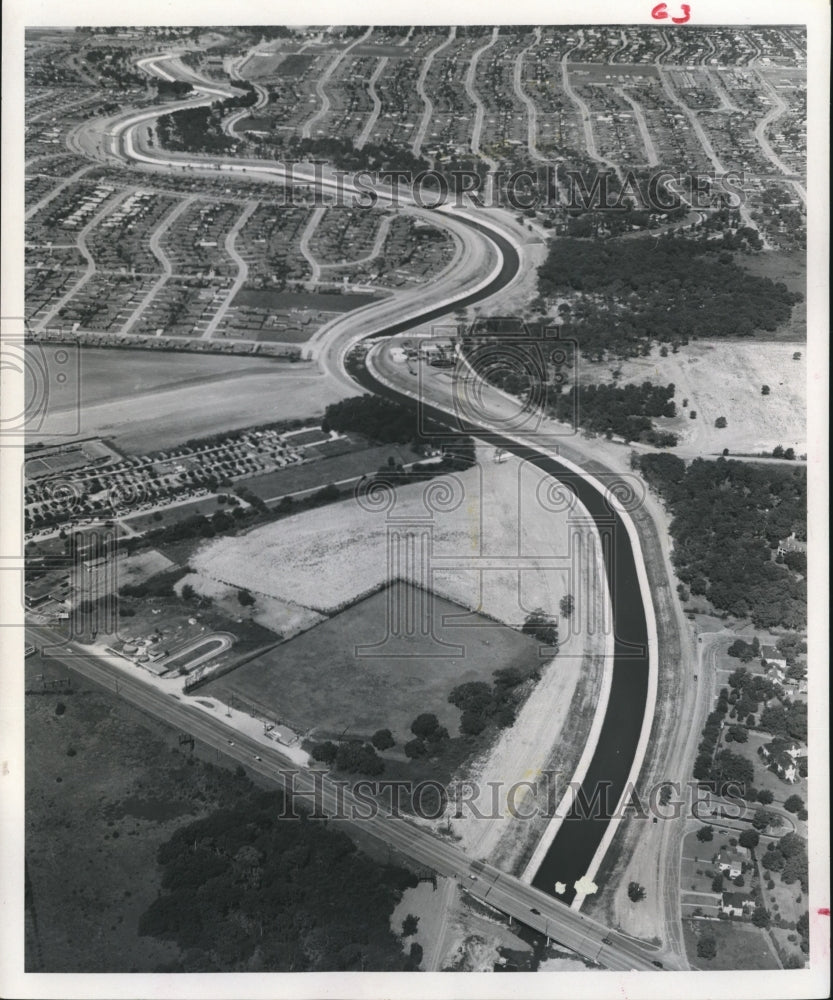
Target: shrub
{"x":707,"y":947}
{"x":383,"y":739}
{"x":60,"y":708}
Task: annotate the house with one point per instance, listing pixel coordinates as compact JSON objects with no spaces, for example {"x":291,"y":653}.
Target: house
{"x":732,"y":861}
{"x":736,"y":904}
{"x":772,"y":657}
{"x":781,"y":756}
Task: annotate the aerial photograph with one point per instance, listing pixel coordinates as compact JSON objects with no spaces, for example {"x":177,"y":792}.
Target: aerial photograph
{"x":414,"y":499}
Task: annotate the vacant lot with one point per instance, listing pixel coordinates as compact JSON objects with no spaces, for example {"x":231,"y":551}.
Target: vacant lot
{"x":347,"y":672}
{"x":722,"y":379}
{"x":325,"y":558}
{"x":163,"y":415}
{"x":314,"y":475}
{"x":739,"y":946}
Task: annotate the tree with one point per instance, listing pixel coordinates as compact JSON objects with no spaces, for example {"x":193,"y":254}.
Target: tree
{"x":707,"y":947}
{"x":717,"y":883}
{"x":188,"y":592}
{"x":749,"y":838}
{"x":383,"y":739}
{"x":764,"y":390}
{"x":415,"y":748}
{"x":705,"y":833}
{"x":736,"y":734}
{"x":761,"y":918}
{"x":409,"y":925}
{"x":245,"y":598}
{"x":325,"y":752}
{"x":636,"y":892}
{"x":720,"y":422}
{"x":794,"y":803}
{"x":738,"y":880}
{"x":567,"y":605}
{"x":542,"y":626}
{"x":425,"y":725}
{"x":761,"y":819}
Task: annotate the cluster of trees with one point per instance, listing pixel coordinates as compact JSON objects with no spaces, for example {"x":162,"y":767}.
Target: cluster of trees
{"x":353,"y":756}
{"x":622,"y":410}
{"x":194,"y":130}
{"x":632,"y":283}
{"x":245,"y":890}
{"x":482,"y":704}
{"x":789,"y":858}
{"x":344,"y":155}
{"x":172,"y":88}
{"x":428,"y":735}
{"x":728,"y":518}
{"x":542,"y":627}
{"x":389,"y":422}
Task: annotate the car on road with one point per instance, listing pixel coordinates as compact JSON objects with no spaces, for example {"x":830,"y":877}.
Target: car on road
{"x":230,"y":742}
{"x":258,"y":758}
{"x":659,"y":965}
{"x":606,"y":941}
{"x":533,"y":910}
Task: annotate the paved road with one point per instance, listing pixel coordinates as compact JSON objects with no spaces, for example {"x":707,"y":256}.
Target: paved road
{"x":321,"y":83}
{"x":242,"y":270}
{"x":162,"y":257}
{"x":508,"y":894}
{"x":419,"y":138}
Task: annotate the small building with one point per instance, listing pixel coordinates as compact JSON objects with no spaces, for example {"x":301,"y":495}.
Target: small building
{"x":736,"y":904}
{"x":781,"y":756}
{"x":732,"y":861}
{"x":772,"y":657}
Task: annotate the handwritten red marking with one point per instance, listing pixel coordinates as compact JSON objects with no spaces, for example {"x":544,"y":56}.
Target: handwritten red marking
{"x":824,"y":911}
{"x":660,"y":13}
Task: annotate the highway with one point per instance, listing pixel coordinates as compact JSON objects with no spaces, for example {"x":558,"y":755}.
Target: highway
{"x":506,"y":893}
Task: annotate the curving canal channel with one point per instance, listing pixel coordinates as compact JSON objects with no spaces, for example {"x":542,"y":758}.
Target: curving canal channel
{"x":579,"y":836}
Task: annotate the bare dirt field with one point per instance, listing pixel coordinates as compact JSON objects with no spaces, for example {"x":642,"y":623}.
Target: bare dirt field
{"x":721,"y":379}
{"x":149,"y":419}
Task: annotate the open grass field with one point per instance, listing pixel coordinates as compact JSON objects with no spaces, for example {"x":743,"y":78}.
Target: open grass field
{"x":98,"y":375}
{"x":331,"y":678}
{"x":739,"y":946}
{"x":724,"y":379}
{"x":314,"y":475}
{"x":95,"y":819}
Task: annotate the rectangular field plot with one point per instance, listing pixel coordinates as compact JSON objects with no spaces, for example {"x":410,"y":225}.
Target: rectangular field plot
{"x":322,"y":680}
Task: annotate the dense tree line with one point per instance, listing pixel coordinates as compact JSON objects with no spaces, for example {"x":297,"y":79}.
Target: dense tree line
{"x":622,"y":410}
{"x":247,"y":890}
{"x":670,"y":289}
{"x":342,"y":153}
{"x":389,"y":422}
{"x":728,"y":517}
